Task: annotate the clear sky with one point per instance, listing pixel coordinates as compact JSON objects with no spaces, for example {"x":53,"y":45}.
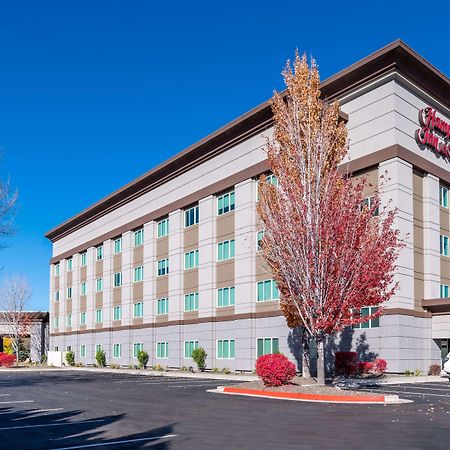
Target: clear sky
{"x":95,"y":93}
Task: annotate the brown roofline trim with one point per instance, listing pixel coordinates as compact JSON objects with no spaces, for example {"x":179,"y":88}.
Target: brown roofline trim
{"x":232,"y":317}
{"x":351,"y":167}
{"x":395,"y":56}
{"x":437,"y":306}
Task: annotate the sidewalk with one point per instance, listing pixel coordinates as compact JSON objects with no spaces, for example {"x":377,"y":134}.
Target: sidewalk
{"x":391,"y":379}
{"x":142,"y":372}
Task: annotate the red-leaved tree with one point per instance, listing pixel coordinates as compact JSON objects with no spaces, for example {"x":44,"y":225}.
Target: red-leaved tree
{"x":330,"y":253}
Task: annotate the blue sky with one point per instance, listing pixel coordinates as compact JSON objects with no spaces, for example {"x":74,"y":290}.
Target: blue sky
{"x":93,"y":94}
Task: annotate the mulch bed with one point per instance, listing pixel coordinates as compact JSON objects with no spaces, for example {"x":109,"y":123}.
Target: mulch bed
{"x":303,"y":386}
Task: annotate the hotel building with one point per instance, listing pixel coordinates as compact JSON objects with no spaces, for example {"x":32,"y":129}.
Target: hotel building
{"x":170,"y":261}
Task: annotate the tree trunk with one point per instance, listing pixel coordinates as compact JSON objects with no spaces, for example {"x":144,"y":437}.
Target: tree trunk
{"x":320,"y":361}
{"x":306,"y":369}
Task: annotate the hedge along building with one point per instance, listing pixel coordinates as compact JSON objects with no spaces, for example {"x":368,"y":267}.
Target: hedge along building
{"x":170,"y":261}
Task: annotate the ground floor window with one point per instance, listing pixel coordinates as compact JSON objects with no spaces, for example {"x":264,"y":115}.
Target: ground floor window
{"x":444,"y":290}
{"x":98,"y":348}
{"x":368,"y":311}
{"x":266,"y":346}
{"x":162,"y":349}
{"x":82,"y":351}
{"x":225,"y":349}
{"x":189,"y":347}
{"x":117,"y":350}
{"x":137,"y":347}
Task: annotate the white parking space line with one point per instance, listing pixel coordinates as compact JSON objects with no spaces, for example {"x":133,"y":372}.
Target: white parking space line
{"x":126,"y":441}
{"x":41,"y":425}
{"x":16,"y":401}
{"x":391,"y":391}
{"x":426,"y":388}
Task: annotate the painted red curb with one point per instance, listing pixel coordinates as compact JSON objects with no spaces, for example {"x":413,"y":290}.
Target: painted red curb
{"x":316,"y":397}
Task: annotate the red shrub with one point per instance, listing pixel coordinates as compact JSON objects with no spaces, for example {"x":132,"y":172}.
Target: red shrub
{"x":365,"y":367}
{"x":379,"y":365}
{"x":6,"y":360}
{"x":346,"y":363}
{"x":275,"y":369}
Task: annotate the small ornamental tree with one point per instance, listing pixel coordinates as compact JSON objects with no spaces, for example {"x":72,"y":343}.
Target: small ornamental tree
{"x":142,"y":357}
{"x":100,"y":358}
{"x":199,"y":356}
{"x":275,"y":369}
{"x":70,"y":358}
{"x":329,"y":254}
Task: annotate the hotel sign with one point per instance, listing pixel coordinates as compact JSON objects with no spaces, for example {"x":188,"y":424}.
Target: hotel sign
{"x":434,"y":132}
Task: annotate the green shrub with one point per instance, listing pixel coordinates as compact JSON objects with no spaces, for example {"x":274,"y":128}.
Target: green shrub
{"x":70,"y":358}
{"x":199,"y":356}
{"x":143,"y":359}
{"x":216,"y":370}
{"x":159,"y":368}
{"x":226,"y":370}
{"x":417,"y":373}
{"x":100,"y":357}
{"x":114,"y":366}
{"x":44,"y":359}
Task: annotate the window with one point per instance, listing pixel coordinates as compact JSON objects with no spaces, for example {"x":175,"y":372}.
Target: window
{"x":99,"y":316}
{"x":56,"y":296}
{"x":259,"y":238}
{"x":98,"y":348}
{"x":99,"y":285}
{"x":267,"y":290}
{"x":162,"y":349}
{"x":162,"y":306}
{"x":118,"y":279}
{"x":368,"y":311}
{"x":139,"y":237}
{"x":444,"y":290}
{"x":225,"y":250}
{"x":117,"y":350}
{"x":57,"y":269}
{"x":82,"y":351}
{"x":83,"y":258}
{"x":117,"y":313}
{"x":99,"y":252}
{"x":83,"y":318}
{"x":191,"y":216}
{"x":69,"y":292}
{"x":225,"y":203}
{"x":266,"y":346}
{"x":138,"y":274}
{"x":225,"y":296}
{"x":118,"y":245}
{"x":163,"y":227}
{"x":69,"y":320}
{"x":137,"y":347}
{"x":271,"y":178}
{"x":56,"y":348}
{"x":225,"y":349}
{"x":443,"y":196}
{"x":69,"y":348}
{"x":191,"y":259}
{"x":69,"y":264}
{"x":138,"y":309}
{"x":191,"y":302}
{"x":83,"y":288}
{"x":444,"y":245}
{"x":56,"y":322}
{"x":368,"y":201}
{"x":163,"y":267}
{"x":189,"y":347}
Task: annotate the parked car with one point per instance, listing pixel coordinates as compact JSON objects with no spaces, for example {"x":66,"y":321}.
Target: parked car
{"x":446,"y":367}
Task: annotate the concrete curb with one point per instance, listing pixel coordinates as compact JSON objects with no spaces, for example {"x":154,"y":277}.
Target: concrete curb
{"x":357,"y":382}
{"x":316,"y":398}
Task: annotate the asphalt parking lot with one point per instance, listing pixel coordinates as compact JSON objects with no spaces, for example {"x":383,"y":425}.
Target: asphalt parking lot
{"x":74,"y":410}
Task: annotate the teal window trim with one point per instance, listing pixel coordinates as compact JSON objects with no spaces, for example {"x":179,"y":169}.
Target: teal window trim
{"x":138,"y":274}
{"x":117,"y":351}
{"x":444,"y":290}
{"x":225,"y":349}
{"x":138,"y":310}
{"x":443,"y":196}
{"x":162,"y":267}
{"x":69,"y":292}
{"x":162,"y":306}
{"x":99,"y":252}
{"x":444,"y":245}
{"x":191,"y":302}
{"x":163,"y":227}
{"x":69,"y":265}
{"x":189,"y":347}
{"x":99,"y":316}
{"x":83,"y":259}
{"x":225,"y":250}
{"x":137,"y":347}
{"x":138,"y":237}
{"x":191,"y":216}
{"x":225,"y":296}
{"x":117,"y":245}
{"x":57,"y":269}
{"x":267,"y":345}
{"x":99,"y":285}
{"x":162,"y":350}
{"x":83,"y":318}
{"x":82,"y":351}
{"x":117,"y":313}
{"x":267,"y":290}
{"x":364,"y":312}
{"x":191,"y":260}
{"x":226,"y":203}
{"x":57,"y":296}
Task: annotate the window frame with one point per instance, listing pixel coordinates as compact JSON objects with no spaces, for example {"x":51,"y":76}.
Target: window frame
{"x":166,"y":267}
{"x":99,"y":314}
{"x":228,"y":244}
{"x":83,"y":318}
{"x":444,"y":290}
{"x":162,"y":228}
{"x":372,"y":323}
{"x":187,"y":216}
{"x":138,"y":237}
{"x":99,"y":253}
{"x":99,"y":282}
{"x":139,"y":271}
{"x":140,"y":348}
{"x":70,"y":264}
{"x":139,"y":308}
{"x":229,"y":348}
{"x":83,"y":257}
{"x":118,"y":245}
{"x":117,"y":346}
{"x":443,"y":196}
{"x":117,"y":277}
{"x":271,"y":345}
{"x":272,"y":286}
{"x":162,"y":345}
{"x":194,"y":347}
{"x":191,"y":257}
{"x":83,"y":351}
{"x":230,"y":198}
{"x":191,"y":297}
{"x":117,"y":308}
{"x":162,"y":301}
{"x":444,"y":245}
{"x":231,"y":298}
